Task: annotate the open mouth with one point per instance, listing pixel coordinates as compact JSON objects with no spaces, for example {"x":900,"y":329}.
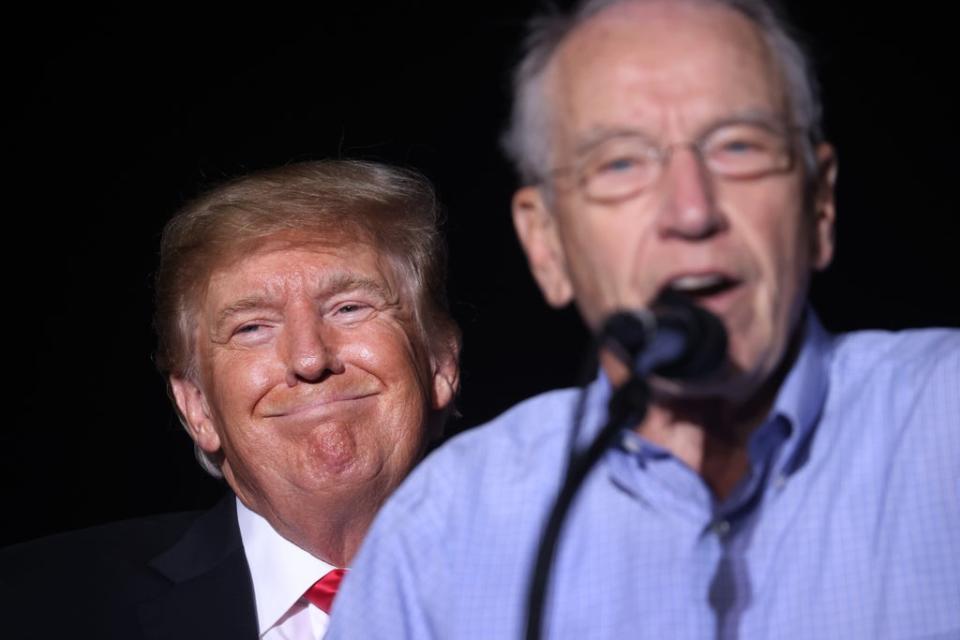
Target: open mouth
{"x":701,"y":286}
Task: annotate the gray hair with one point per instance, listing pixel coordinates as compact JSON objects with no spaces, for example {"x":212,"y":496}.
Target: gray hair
{"x":526,"y":140}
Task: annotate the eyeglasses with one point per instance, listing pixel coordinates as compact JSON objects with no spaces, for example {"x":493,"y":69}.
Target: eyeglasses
{"x":623,"y":165}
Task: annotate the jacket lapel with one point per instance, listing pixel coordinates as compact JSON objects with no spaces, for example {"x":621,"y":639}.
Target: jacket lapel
{"x":211,"y":593}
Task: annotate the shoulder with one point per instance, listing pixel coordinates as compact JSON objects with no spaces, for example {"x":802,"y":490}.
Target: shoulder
{"x":481,"y":471}
{"x":103,"y":572}
{"x":936,"y":351}
{"x":531,"y":434}
{"x":127,"y":543}
{"x":897,"y":394}
{"x":898,"y":369}
{"x":179,"y":575}
{"x":540,"y":420}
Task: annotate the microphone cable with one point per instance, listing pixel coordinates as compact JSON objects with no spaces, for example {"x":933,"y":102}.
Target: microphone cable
{"x":693,"y":343}
{"x":630,"y":398}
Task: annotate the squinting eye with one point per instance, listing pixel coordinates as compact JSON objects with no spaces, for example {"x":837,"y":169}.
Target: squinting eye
{"x":740,"y":146}
{"x":353,"y":312}
{"x":622,"y":164}
{"x":250,"y":328}
{"x":350,"y":308}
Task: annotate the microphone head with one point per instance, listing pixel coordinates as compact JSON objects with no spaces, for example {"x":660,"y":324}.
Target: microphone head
{"x":706,"y":338}
{"x":627,"y":333}
{"x":674,"y":338}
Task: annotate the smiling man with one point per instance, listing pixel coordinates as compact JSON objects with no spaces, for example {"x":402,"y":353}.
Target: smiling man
{"x":809,"y":489}
{"x":303,"y":328}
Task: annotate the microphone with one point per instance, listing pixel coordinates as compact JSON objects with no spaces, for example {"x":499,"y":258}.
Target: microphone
{"x":674,"y":338}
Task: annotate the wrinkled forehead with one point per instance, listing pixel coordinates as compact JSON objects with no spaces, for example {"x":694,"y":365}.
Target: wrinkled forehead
{"x":269,"y":267}
{"x":662,"y":65}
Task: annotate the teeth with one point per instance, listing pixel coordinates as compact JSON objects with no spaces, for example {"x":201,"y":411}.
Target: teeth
{"x":692,"y":283}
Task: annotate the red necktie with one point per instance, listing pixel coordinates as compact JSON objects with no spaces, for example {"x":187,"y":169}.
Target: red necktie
{"x":322,"y":592}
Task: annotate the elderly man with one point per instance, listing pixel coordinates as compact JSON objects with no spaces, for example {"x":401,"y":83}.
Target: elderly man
{"x":809,"y":489}
{"x":303,"y":329}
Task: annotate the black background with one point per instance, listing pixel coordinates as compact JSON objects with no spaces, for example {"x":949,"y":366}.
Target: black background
{"x":117,"y":115}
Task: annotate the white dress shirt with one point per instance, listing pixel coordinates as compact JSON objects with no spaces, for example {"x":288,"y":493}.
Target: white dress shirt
{"x":281,"y":573}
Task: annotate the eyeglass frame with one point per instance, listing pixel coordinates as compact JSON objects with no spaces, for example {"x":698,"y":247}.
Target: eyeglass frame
{"x":661,"y":155}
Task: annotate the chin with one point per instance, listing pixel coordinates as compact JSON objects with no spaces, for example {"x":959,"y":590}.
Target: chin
{"x":731,"y":383}
{"x":714,"y":386}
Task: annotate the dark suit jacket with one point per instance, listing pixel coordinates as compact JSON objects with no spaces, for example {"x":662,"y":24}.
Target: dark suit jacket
{"x":177,"y":576}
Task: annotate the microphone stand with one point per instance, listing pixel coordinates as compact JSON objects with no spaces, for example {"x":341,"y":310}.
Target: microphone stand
{"x":629,"y":402}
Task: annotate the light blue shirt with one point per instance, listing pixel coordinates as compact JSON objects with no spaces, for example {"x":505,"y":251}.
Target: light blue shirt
{"x":846,"y":526}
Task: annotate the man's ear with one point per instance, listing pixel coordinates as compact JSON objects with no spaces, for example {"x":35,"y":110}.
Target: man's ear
{"x":446,"y":373}
{"x":537,"y":229}
{"x":824,"y":207}
{"x":195,"y":411}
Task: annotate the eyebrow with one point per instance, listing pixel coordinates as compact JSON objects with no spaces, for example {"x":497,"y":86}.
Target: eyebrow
{"x":242,"y":305}
{"x":341,"y":282}
{"x":334,"y":284}
{"x":599,"y":135}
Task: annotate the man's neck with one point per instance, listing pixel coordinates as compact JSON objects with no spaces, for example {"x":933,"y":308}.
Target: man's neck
{"x":705,"y":436}
{"x":329,"y":531}
{"x":332,"y":539}
{"x":709,"y":434}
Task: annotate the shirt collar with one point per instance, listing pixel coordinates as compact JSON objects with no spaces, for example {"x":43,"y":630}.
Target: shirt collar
{"x":803,"y":393}
{"x":791,"y":421}
{"x":281,"y":571}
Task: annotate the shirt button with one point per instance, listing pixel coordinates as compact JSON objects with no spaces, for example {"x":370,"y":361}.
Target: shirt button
{"x":630,"y":444}
{"x":721,"y":527}
{"x":779,"y":482}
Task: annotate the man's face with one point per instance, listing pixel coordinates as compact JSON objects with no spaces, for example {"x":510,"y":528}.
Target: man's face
{"x":312,"y":380}
{"x":744,"y":248}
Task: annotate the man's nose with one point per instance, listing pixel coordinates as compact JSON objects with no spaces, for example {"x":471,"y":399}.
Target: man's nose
{"x":311,"y":351}
{"x":688,"y":209}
